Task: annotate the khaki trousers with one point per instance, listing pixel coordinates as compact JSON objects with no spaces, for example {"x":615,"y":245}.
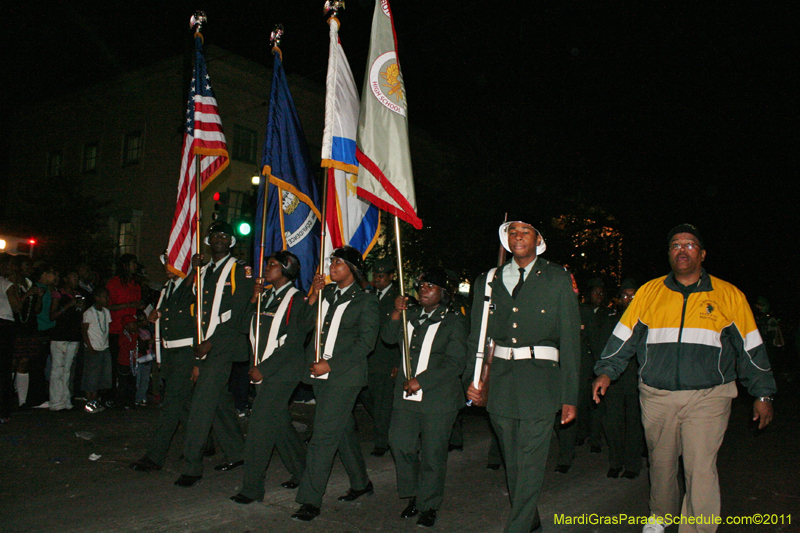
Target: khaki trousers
{"x":691,"y":423}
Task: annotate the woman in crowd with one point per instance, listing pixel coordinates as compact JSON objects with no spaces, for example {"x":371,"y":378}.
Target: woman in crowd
{"x":26,"y":341}
{"x":124,"y":299}
{"x":66,"y":310}
{"x":9,"y":304}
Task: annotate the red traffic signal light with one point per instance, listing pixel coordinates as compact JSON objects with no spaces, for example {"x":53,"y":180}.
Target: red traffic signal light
{"x":220,"y":206}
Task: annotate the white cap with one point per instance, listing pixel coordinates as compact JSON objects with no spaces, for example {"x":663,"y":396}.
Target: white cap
{"x":503,"y":231}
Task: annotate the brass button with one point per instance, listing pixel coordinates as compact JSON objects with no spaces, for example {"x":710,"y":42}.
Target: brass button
{"x":514,"y":325}
{"x":515,"y":309}
{"x":542,"y":310}
{"x":514,"y":341}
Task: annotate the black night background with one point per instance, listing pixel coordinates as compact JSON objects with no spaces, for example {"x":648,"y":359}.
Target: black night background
{"x":641,"y":114}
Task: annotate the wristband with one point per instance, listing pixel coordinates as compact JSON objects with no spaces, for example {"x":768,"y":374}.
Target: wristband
{"x":767,"y":399}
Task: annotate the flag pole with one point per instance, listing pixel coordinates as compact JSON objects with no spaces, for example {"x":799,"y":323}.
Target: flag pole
{"x":324,"y":233}
{"x":275,"y":40}
{"x":197,"y":21}
{"x":261,"y":267}
{"x":406,"y":356}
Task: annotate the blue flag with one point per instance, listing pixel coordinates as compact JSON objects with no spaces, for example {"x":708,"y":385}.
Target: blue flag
{"x":292,"y":197}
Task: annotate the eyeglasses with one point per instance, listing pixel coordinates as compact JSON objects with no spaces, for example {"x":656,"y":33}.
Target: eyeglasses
{"x":627,"y":297}
{"x":675,"y":246}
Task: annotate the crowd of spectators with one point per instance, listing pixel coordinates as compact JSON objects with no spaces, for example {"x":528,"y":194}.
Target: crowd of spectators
{"x":63,"y":336}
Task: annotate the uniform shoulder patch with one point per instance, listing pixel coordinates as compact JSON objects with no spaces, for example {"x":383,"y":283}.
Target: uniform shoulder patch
{"x":248,"y":272}
{"x":574,"y":283}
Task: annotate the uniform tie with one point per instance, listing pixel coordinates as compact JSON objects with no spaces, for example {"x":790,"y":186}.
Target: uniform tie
{"x":518,"y":286}
{"x":270,"y":296}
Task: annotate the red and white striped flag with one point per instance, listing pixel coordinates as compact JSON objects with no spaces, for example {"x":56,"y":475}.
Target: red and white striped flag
{"x":205,"y":139}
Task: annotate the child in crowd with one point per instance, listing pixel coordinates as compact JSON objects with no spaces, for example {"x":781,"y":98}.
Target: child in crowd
{"x":127,"y":360}
{"x":97,"y":356}
{"x":147,"y":354}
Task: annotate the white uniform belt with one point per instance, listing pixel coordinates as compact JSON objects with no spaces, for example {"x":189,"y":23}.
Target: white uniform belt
{"x":525,"y":352}
{"x":179,"y":343}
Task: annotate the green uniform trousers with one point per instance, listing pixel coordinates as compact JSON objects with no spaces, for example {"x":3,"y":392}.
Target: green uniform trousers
{"x":271,"y":427}
{"x":176,"y":371}
{"x":334,"y":430}
{"x":524,"y":444}
{"x":419,"y":446}
{"x":378,"y":398}
{"x":622,"y":424}
{"x":212,"y":402}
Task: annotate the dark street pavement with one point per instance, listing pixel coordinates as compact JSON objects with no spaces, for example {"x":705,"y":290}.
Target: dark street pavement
{"x":49,"y":482}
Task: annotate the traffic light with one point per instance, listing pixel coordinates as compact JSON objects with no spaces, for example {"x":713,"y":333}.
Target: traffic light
{"x":220,"y":206}
{"x":243,"y":228}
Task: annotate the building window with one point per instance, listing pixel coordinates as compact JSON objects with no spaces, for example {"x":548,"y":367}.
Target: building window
{"x":54,"y":164}
{"x":245,"y":144}
{"x":90,"y":158}
{"x":127,"y":238}
{"x":132,"y":151}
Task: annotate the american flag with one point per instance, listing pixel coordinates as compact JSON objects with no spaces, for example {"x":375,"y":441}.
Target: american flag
{"x":205,"y":139}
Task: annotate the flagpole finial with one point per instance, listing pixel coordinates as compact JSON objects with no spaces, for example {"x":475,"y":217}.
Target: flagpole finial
{"x":332,"y":7}
{"x":197,"y":20}
{"x":276,"y":35}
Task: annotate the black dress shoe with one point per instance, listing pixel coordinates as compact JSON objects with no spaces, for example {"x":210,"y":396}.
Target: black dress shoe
{"x":187,"y":481}
{"x":352,"y":494}
{"x":493,"y":466}
{"x":595,"y":449}
{"x":290,"y":484}
{"x":241,"y":498}
{"x":410,"y":510}
{"x":562,"y":469}
{"x":427,"y":518}
{"x":378,"y":452}
{"x":536,"y":527}
{"x":454,"y":447}
{"x":224,"y":467}
{"x":630,"y":475}
{"x":613,"y":472}
{"x":306,"y":513}
{"x":145,"y":464}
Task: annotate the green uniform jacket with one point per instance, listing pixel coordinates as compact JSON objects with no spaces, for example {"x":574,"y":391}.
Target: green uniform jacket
{"x":358,"y":331}
{"x":176,"y":320}
{"x":387,"y":354}
{"x":545,"y":313}
{"x":441,"y":381}
{"x":227,"y":340}
{"x":288,"y":362}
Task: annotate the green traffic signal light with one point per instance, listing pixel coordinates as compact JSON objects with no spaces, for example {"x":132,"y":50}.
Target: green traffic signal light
{"x":243,"y":228}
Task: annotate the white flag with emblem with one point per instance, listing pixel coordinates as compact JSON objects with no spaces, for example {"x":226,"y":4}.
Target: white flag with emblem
{"x":382,"y":149}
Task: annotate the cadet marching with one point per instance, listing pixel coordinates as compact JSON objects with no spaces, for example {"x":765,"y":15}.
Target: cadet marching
{"x":519,"y":353}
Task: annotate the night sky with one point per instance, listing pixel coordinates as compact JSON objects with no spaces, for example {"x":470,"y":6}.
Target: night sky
{"x":656,"y":112}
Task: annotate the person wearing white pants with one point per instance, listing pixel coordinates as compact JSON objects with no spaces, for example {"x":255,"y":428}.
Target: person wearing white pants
{"x":66,"y":309}
{"x":62,"y":354}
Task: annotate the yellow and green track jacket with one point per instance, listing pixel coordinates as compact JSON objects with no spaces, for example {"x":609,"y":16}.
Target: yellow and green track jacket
{"x":689,"y":338}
